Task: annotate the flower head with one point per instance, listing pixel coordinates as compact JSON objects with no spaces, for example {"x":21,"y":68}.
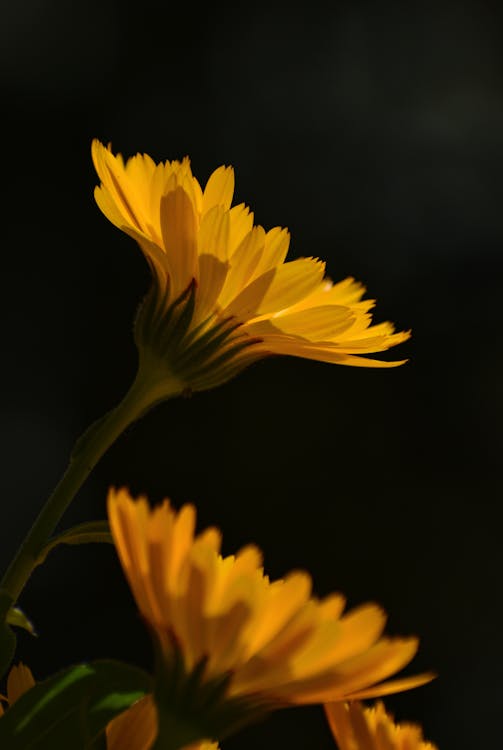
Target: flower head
{"x":267,"y":643}
{"x":358,"y":728}
{"x":223,"y":295}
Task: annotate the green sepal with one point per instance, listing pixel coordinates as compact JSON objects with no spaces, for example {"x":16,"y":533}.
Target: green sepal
{"x":72,"y":708}
{"x":191,"y":707}
{"x":7,"y":635}
{"x":198,"y":357}
{"x":17,"y":617}
{"x":83,"y":533}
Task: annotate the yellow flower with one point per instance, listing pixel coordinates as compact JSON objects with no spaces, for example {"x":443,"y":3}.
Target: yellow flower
{"x":223,"y":295}
{"x":268,"y":643}
{"x":358,"y":728}
{"x":20,"y":680}
{"x":136,"y":729}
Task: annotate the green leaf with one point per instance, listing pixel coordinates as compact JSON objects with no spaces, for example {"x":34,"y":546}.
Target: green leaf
{"x":7,"y":636}
{"x":71,"y":709}
{"x":17,"y":617}
{"x":83,"y":533}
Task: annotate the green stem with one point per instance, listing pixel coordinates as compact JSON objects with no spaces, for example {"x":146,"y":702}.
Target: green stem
{"x":88,"y":451}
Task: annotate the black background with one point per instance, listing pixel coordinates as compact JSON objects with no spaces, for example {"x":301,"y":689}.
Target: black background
{"x":374,"y":131}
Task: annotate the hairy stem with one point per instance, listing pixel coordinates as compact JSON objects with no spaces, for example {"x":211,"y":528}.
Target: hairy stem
{"x":87,"y":452}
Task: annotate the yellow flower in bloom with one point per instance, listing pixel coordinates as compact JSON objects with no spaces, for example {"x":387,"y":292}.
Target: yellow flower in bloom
{"x":20,"y":680}
{"x":223,"y":295}
{"x":358,"y":728}
{"x":271,"y":642}
{"x":136,"y":729}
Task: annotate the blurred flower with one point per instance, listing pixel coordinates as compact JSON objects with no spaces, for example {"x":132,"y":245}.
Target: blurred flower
{"x":136,"y":729}
{"x":223,"y":295}
{"x":358,"y":728}
{"x":267,"y":643}
{"x":20,"y":680}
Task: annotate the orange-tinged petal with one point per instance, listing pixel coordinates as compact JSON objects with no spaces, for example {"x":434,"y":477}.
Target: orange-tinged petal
{"x":340,"y":724}
{"x":183,"y":537}
{"x":19,"y":681}
{"x":356,"y":632}
{"x":378,"y":662}
{"x":135,"y":729}
{"x":362,"y":733}
{"x":390,"y":687}
{"x":270,"y":640}
{"x":356,"y":727}
{"x":285,"y":602}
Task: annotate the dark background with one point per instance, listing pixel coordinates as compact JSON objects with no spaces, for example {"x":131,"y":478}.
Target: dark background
{"x":374,"y":131}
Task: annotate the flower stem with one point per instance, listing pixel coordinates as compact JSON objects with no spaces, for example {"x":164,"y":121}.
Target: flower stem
{"x":87,"y":452}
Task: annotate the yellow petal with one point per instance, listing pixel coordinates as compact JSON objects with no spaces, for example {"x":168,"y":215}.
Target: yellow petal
{"x":219,"y":189}
{"x":277,"y":289}
{"x":314,"y":324}
{"x":109,"y":207}
{"x":347,"y":293}
{"x":243,"y":264}
{"x":212,"y":277}
{"x":277,"y":242}
{"x":139,"y":171}
{"x":240,"y":223}
{"x":111,"y":171}
{"x":296,"y":347}
{"x":370,"y":343}
{"x":214,"y":233}
{"x":179,"y":234}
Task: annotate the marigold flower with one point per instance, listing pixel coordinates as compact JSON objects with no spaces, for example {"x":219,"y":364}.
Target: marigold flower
{"x":136,"y":729}
{"x":358,"y":728}
{"x":223,"y":295}
{"x":20,"y":680}
{"x":271,"y":643}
